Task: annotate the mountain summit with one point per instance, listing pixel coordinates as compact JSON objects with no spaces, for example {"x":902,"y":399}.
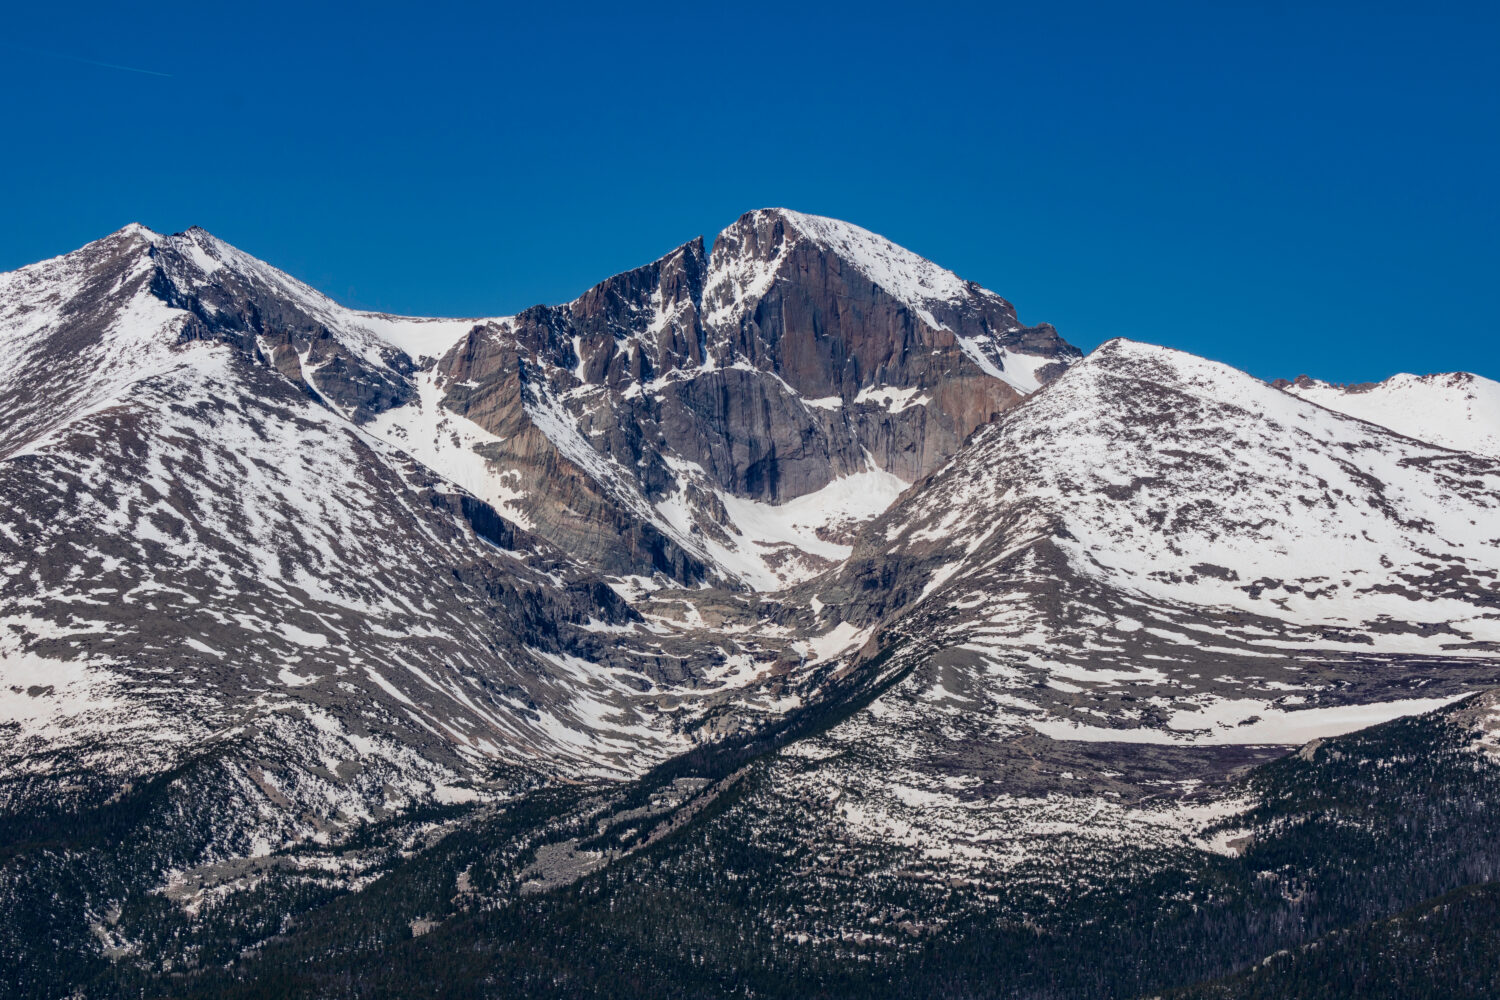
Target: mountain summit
{"x":794,"y":571}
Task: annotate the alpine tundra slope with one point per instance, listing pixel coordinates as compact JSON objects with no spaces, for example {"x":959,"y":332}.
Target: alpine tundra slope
{"x":794,"y":583}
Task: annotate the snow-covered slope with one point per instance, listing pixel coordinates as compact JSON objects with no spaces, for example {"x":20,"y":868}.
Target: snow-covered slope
{"x":914,"y":280}
{"x":115,"y":308}
{"x":1154,"y":571}
{"x":372,"y":334}
{"x":1456,"y":410}
{"x":1182,"y":480}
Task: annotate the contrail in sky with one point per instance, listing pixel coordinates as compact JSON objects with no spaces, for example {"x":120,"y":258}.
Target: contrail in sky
{"x":90,"y":62}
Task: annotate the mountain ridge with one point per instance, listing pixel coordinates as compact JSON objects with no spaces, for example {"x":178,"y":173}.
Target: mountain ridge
{"x":1458,"y":410}
{"x":748,"y":535}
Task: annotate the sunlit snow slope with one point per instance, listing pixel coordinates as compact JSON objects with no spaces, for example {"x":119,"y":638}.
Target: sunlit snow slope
{"x":1456,"y":410}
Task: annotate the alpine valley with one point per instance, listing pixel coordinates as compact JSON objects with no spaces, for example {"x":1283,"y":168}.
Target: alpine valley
{"x":782,"y":618}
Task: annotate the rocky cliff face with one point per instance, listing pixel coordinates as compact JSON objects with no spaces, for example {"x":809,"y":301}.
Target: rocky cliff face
{"x":799,"y":352}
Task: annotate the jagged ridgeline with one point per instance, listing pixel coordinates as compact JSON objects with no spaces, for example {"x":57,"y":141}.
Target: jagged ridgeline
{"x":783,"y":617}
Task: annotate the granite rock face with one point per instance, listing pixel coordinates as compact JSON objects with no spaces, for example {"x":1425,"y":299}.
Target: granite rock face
{"x":798,"y":352}
{"x":803,"y":298}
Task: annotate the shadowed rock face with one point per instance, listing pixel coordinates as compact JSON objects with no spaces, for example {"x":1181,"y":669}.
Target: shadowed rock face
{"x":490,"y":381}
{"x":240,"y":307}
{"x":830,"y":331}
{"x":798,"y":352}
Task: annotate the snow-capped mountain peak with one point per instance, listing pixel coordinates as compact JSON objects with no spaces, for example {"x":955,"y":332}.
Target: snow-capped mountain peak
{"x":762,"y":373}
{"x":197,"y":258}
{"x":1192,"y":483}
{"x":1457,"y":410}
{"x":770,"y":246}
{"x":913,"y":279}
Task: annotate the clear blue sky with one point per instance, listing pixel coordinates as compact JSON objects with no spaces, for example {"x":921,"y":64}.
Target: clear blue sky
{"x":1288,"y":187}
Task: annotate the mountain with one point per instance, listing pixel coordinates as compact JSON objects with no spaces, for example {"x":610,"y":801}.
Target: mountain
{"x":1457,"y":410}
{"x":734,"y":415}
{"x":788,"y":596}
{"x":253,"y":534}
{"x":1152,"y":574}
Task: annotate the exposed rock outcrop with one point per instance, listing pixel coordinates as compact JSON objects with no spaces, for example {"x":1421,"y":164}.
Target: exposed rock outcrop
{"x":801,"y":350}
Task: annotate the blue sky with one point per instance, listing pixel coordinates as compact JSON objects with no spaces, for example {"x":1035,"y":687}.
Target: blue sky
{"x":1288,"y":187}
